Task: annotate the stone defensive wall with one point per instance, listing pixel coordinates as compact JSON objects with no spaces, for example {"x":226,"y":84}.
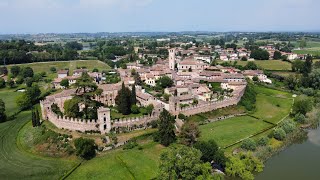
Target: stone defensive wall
{"x":210,"y":106}
{"x":137,"y":121}
{"x":73,"y":124}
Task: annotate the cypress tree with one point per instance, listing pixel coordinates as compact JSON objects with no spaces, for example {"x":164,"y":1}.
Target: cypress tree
{"x":123,"y":100}
{"x":166,"y":128}
{"x":133,"y":96}
{"x":38,"y":118}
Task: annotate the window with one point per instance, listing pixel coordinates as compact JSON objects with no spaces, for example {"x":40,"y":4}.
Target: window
{"x":104,"y":119}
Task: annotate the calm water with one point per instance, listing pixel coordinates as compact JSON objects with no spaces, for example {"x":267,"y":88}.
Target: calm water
{"x":299,"y":161}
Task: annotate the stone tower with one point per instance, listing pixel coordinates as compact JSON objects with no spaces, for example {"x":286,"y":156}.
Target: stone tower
{"x":104,"y":120}
{"x":172,"y":59}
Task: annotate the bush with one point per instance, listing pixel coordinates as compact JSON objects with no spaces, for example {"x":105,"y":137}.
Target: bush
{"x":182,"y":116}
{"x":130,"y":144}
{"x":279,"y":134}
{"x":300,"y":118}
{"x":249,"y":144}
{"x":288,"y":126}
{"x":135,"y":109}
{"x":85,"y":148}
{"x":263,"y":141}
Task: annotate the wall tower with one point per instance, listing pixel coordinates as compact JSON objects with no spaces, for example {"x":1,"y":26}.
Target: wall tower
{"x":104,"y":120}
{"x":172,"y":59}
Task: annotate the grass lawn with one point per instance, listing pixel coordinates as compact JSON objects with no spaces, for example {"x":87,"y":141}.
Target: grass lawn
{"x":72,"y":65}
{"x":122,"y":164}
{"x":312,"y":51}
{"x":17,"y":163}
{"x":270,"y":64}
{"x":9,"y":98}
{"x":117,"y":115}
{"x":231,"y":130}
{"x":271,"y":108}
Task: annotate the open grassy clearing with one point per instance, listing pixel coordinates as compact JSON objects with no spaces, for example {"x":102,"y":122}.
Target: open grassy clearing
{"x":72,"y":65}
{"x":231,"y":130}
{"x":122,"y":164}
{"x":271,"y":108}
{"x":17,"y":163}
{"x":9,"y":97}
{"x":270,"y":64}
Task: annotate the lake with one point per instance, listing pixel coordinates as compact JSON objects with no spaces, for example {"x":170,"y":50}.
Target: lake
{"x":296,"y":162}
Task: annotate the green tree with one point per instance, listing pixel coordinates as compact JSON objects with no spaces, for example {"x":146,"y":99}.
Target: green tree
{"x":251,"y":66}
{"x":85,"y":148}
{"x":292,"y":81}
{"x":133,"y":95}
{"x":64,"y":83}
{"x":302,"y":105}
{"x":137,"y":79}
{"x":71,"y":107}
{"x":10,"y":83}
{"x":182,"y":162}
{"x":2,"y":83}
{"x":24,"y":101}
{"x":15,"y":71}
{"x":255,"y":78}
{"x":248,"y":100}
{"x":166,"y":133}
{"x":53,"y":69}
{"x":279,"y":134}
{"x":149,"y":109}
{"x":165,"y":82}
{"x":28,"y":81}
{"x":189,"y":134}
{"x":27,"y":72}
{"x":3,"y":116}
{"x":300,"y":118}
{"x":243,"y":165}
{"x":303,"y":43}
{"x":3,"y":70}
{"x":277,"y":55}
{"x":260,"y":54}
{"x":297,"y":65}
{"x":135,"y":109}
{"x":123,"y":100}
{"x":211,"y":152}
{"x":307,"y":67}
{"x":249,"y":144}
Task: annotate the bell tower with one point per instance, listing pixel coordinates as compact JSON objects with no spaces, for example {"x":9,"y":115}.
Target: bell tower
{"x":172,"y":59}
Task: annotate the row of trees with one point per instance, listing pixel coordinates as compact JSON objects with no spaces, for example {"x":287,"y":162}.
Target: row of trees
{"x":35,"y":118}
{"x":126,"y":99}
{"x":19,"y":52}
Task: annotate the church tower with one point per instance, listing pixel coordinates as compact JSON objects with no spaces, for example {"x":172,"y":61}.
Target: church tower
{"x":172,"y":59}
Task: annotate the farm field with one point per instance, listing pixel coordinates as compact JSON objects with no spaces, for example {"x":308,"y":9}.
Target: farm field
{"x":16,"y":163}
{"x":269,"y":64}
{"x":231,"y":130}
{"x":122,"y":164}
{"x":72,"y":65}
{"x":9,"y":98}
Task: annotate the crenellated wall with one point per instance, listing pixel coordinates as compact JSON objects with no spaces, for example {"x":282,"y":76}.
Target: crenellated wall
{"x":143,"y":120}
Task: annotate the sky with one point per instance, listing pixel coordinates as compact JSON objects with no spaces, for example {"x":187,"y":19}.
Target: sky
{"x":74,"y":16}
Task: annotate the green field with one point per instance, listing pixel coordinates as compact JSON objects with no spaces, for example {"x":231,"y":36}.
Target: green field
{"x":312,"y":51}
{"x":270,"y":64}
{"x":122,"y":164}
{"x":9,"y":98}
{"x":17,"y":163}
{"x":231,"y":130}
{"x":72,"y":65}
{"x":272,"y":106}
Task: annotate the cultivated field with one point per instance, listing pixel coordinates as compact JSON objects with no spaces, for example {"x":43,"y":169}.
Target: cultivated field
{"x":122,"y":164}
{"x":16,"y":163}
{"x":270,"y":64}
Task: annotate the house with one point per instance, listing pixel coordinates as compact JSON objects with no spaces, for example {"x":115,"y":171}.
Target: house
{"x":63,"y":73}
{"x":79,"y":72}
{"x":259,"y":73}
{"x":191,"y":64}
{"x":150,"y":79}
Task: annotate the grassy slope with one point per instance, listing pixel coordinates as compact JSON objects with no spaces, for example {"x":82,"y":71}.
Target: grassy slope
{"x":16,"y":163}
{"x":72,"y":65}
{"x":9,"y":98}
{"x":122,"y":164}
{"x":231,"y":130}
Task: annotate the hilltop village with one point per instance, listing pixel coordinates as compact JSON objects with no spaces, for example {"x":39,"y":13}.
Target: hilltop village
{"x":196,"y":87}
